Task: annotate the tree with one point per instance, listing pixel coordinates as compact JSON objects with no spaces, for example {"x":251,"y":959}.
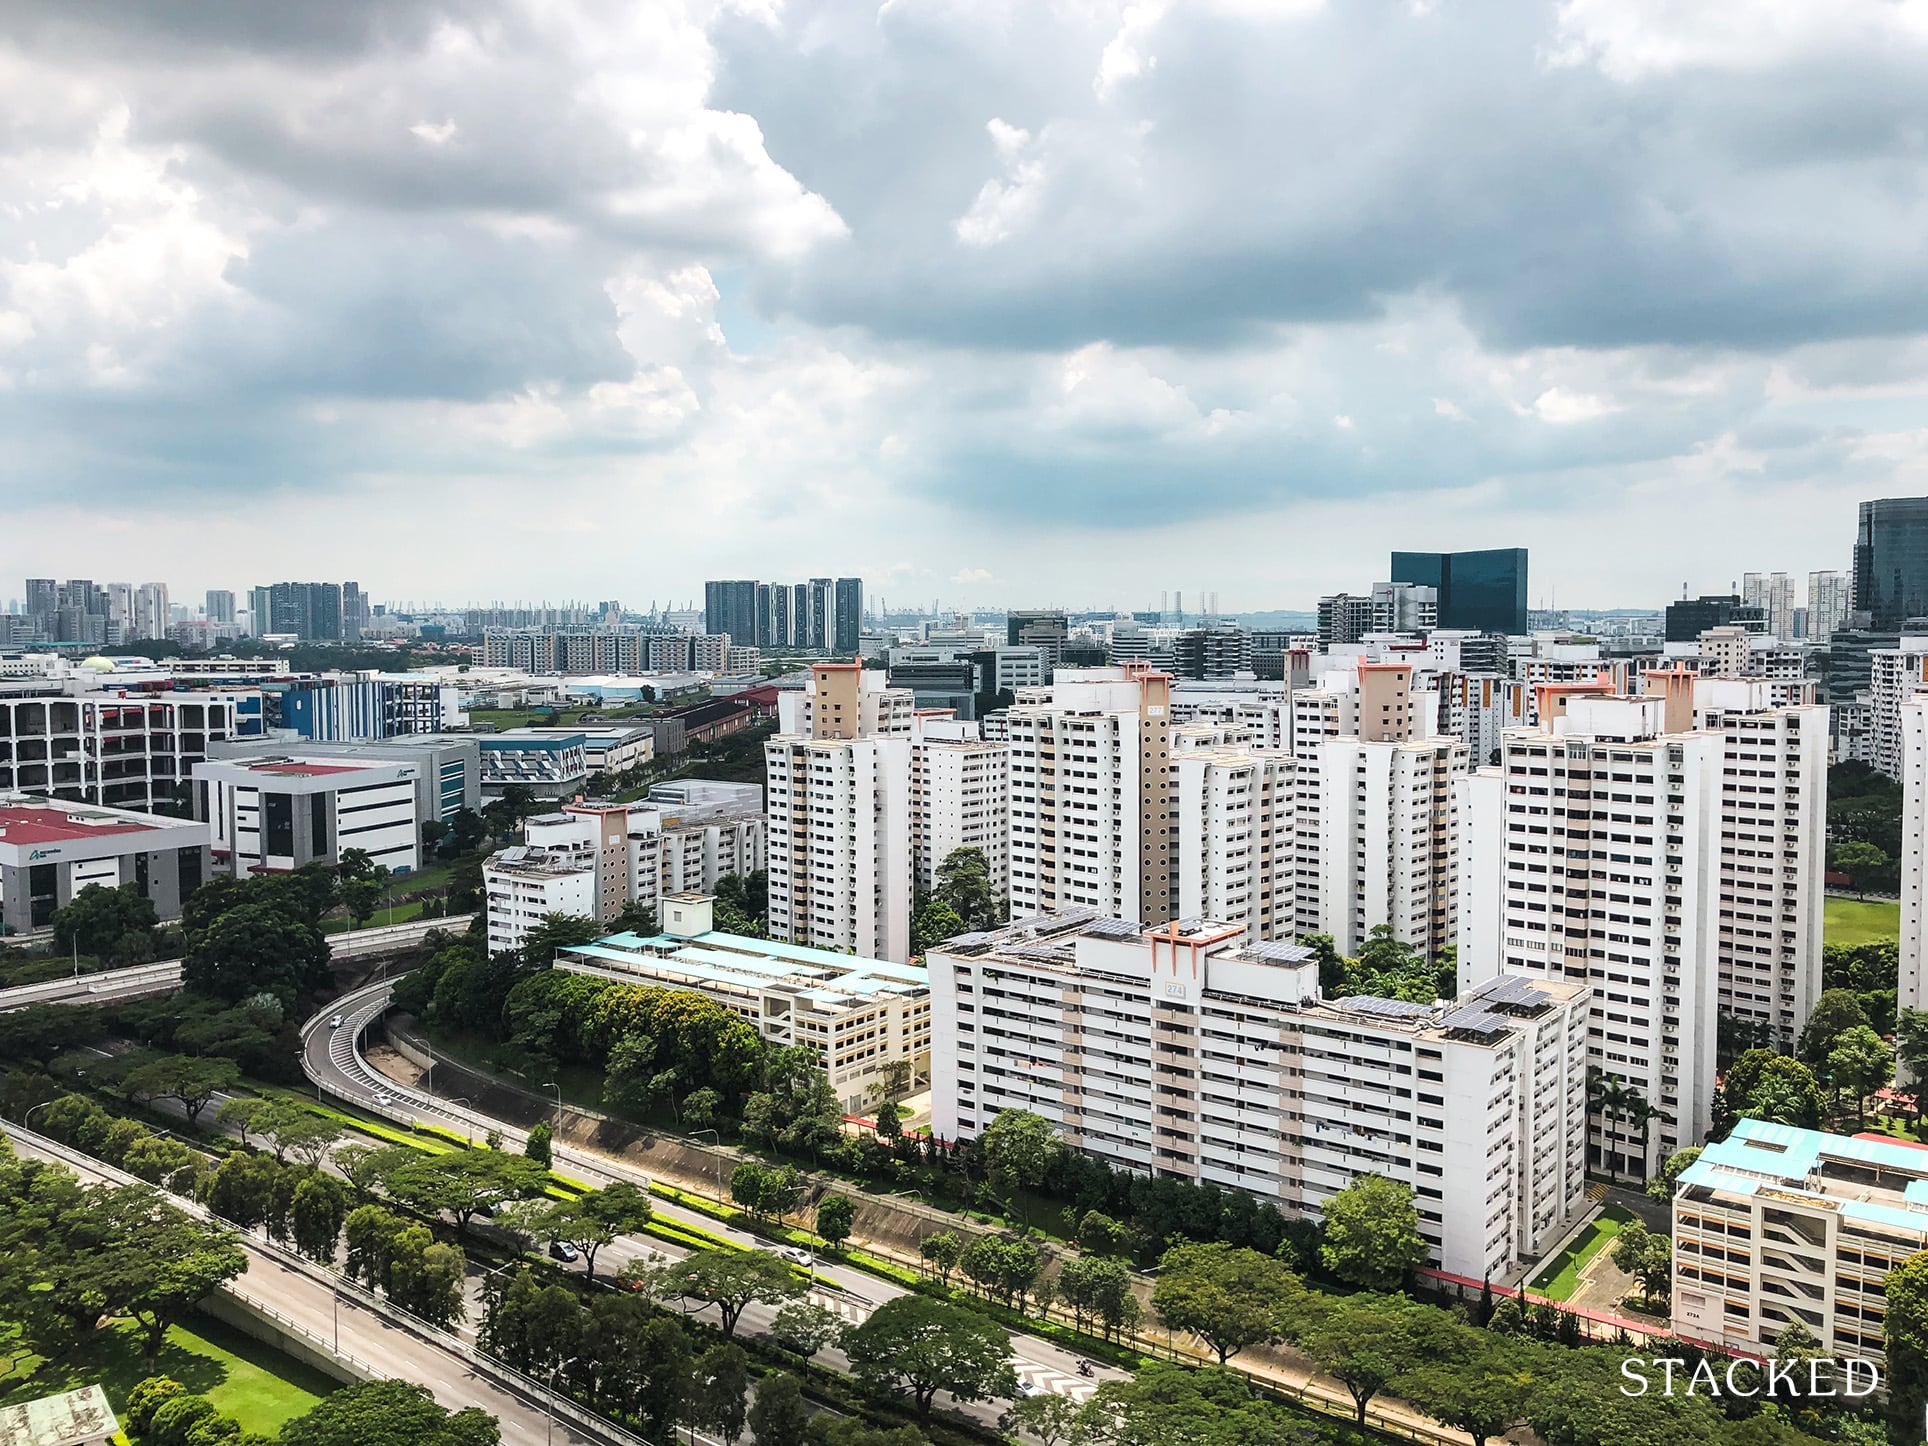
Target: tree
{"x":1372,"y":1233}
{"x":804,"y":1328}
{"x":1485,"y":1400}
{"x":722,"y":1388}
{"x":700,"y":1107}
{"x":255,"y":949}
{"x":536,"y":1147}
{"x":1019,"y":1149}
{"x":925,"y":1346}
{"x":1228,"y":1296}
{"x":1859,"y":861}
{"x":1047,"y":1419}
{"x":558,"y":931}
{"x":730,"y":1279}
{"x":1786,"y":1092}
{"x":1905,"y":1333}
{"x":592,"y":1220}
{"x":1367,"y":1342}
{"x":425,"y":1276}
{"x":889,"y":1123}
{"x":116,"y":925}
{"x":1095,"y":1290}
{"x":935,"y":922}
{"x":241,"y":1188}
{"x":1099,"y":1234}
{"x":1661,"y":1188}
{"x":193,"y":1082}
{"x":147,"y":1396}
{"x":317,"y":1214}
{"x":964,"y":885}
{"x":1168,"y":1405}
{"x":778,"y":1417}
{"x":1834,"y":1013}
{"x":835,"y":1215}
{"x":172,"y":1262}
{"x":388,"y":1413}
{"x":1860,"y":1063}
{"x":942,"y":1251}
{"x":1647,"y":1257}
{"x":1911,"y":1051}
{"x":464,"y":1181}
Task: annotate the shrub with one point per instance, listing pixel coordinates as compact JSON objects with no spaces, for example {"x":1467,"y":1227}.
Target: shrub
{"x":146,"y":1398}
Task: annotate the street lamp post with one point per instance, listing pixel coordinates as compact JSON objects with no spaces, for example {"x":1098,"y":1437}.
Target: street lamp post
{"x":27,"y":1119}
{"x":552,"y":1085}
{"x":552,"y":1394}
{"x":468,"y":1126}
{"x":722,"y":1191}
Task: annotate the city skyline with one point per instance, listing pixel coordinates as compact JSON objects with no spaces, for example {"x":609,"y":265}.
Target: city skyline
{"x":613,"y":286}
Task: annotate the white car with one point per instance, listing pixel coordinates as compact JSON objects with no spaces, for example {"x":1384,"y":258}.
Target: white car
{"x":382,"y":1099}
{"x":1030,"y":1388}
{"x":796,"y":1255}
{"x":334,"y":1022}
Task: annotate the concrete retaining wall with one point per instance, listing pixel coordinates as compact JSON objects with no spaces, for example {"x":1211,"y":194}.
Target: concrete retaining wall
{"x":252,"y":1321}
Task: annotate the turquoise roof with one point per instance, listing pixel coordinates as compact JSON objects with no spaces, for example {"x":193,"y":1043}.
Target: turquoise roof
{"x":732,"y":959}
{"x":1760,"y":1155}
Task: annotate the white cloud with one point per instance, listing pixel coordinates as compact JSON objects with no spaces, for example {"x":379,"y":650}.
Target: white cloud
{"x":1559,"y":406}
{"x":972,"y":574}
{"x":439,"y":134}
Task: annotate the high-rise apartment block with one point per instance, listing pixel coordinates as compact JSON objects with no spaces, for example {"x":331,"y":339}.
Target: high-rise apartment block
{"x":960,"y":797}
{"x":1913,"y":983}
{"x":1091,"y":795}
{"x":1183,"y":1049}
{"x":1894,"y":676}
{"x":1344,"y":618}
{"x":839,"y":799}
{"x":220,"y":606}
{"x":1231,"y":836}
{"x":1608,"y":872}
{"x":1829,"y":600}
{"x":1773,"y":594}
{"x":822,"y":615}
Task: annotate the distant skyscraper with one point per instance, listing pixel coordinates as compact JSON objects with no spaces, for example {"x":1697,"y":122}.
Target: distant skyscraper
{"x":1773,"y":593}
{"x":1828,"y":600}
{"x":354,"y":609}
{"x":849,"y":614}
{"x":220,"y":606}
{"x":730,"y":607}
{"x":150,"y":617}
{"x":1478,"y":591}
{"x":1891,"y":561}
{"x":260,"y":611}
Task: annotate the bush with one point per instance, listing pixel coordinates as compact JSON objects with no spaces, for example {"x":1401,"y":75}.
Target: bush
{"x":146,"y":1398}
{"x":177,"y":1417}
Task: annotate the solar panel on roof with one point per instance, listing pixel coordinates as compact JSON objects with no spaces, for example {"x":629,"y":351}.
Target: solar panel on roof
{"x":1112,"y":929}
{"x":1384,"y":1008}
{"x":1280,"y":952}
{"x":1475,"y":1020}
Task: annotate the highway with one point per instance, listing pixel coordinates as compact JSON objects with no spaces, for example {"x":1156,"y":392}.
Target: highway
{"x":359,"y":1327}
{"x":141,"y":980}
{"x":333,"y":1060}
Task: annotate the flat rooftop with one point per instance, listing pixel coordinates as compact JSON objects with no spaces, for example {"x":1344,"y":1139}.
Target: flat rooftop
{"x":732,"y":962}
{"x":289,"y":769}
{"x":1872,"y":1181}
{"x":37,"y":824}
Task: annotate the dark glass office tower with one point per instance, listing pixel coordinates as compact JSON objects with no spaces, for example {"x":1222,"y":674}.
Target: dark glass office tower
{"x":1480,"y":591}
{"x":1891,"y":561}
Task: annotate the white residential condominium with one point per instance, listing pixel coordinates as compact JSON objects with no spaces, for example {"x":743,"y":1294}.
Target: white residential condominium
{"x":1608,"y":873}
{"x":1181,"y":1050}
{"x":1091,"y":794}
{"x":1912,"y":988}
{"x":860,"y":1015}
{"x":1776,"y":1225}
{"x":960,"y":797}
{"x":1773,"y":848}
{"x":839,"y":819}
{"x":1894,"y":676}
{"x":1232,"y":836}
{"x":595,"y":859}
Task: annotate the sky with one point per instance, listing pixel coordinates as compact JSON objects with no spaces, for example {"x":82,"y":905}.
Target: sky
{"x":1025,"y":302}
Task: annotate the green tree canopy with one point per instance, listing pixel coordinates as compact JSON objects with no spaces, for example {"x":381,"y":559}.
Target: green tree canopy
{"x":193,"y":1082}
{"x":924,"y":1346}
{"x":729,"y":1279}
{"x":1834,"y":1013}
{"x":389,"y":1413}
{"x":256,"y":949}
{"x":1228,"y":1296}
{"x":115,"y":925}
{"x":1372,"y":1233}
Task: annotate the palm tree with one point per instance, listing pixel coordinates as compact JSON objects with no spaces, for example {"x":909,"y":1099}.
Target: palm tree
{"x":1612,"y":1100}
{"x":1639,"y":1112}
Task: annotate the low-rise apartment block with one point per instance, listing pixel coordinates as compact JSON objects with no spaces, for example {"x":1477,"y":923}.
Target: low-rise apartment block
{"x":860,"y":1015}
{"x":1776,"y":1225}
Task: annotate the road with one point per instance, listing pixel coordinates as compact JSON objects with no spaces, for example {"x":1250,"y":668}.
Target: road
{"x":140,"y":980}
{"x":336,"y":1319}
{"x":332,"y":1059}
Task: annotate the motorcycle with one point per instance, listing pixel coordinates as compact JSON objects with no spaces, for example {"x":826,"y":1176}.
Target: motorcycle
{"x":1084,"y":1368}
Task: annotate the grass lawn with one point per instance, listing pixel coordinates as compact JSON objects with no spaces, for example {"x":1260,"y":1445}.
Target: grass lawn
{"x":1851,"y":922}
{"x":250,"y":1381}
{"x":1562,"y":1275}
{"x":393,"y":914}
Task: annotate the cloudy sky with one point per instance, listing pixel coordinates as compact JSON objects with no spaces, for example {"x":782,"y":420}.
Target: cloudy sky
{"x":987,"y":301}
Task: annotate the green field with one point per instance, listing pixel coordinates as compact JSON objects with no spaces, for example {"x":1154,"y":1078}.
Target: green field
{"x":252,"y":1382}
{"x":1851,"y":922}
{"x":1562,"y":1274}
